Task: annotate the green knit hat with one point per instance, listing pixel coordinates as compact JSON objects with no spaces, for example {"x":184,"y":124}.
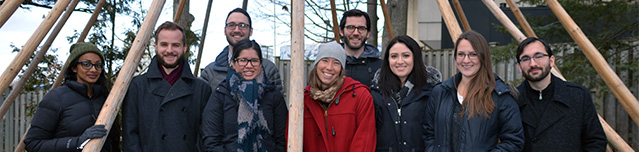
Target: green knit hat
{"x":81,"y":48}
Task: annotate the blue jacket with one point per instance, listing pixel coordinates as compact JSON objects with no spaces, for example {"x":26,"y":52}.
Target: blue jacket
{"x":220,"y":119}
{"x":364,"y":67}
{"x":502,"y":131}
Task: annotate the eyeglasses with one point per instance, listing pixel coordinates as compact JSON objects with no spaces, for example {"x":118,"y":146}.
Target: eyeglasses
{"x":351,"y":28}
{"x":86,"y":65}
{"x":536,"y":57}
{"x":472,"y":56}
{"x":242,"y":26}
{"x":244,"y":61}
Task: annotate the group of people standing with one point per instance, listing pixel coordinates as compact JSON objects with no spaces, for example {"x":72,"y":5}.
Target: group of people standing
{"x":354,"y":101}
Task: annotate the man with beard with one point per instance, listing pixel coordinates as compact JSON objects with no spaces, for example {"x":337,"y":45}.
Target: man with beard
{"x":362,"y":59}
{"x":162,"y":110}
{"x":237,"y":27}
{"x":556,"y":115}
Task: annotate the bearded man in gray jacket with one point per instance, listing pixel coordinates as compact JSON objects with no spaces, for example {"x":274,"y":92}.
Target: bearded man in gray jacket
{"x":237,"y":27}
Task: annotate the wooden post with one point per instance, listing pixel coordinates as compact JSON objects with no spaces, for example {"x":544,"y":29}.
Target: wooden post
{"x":296,"y":83}
{"x":92,"y":20}
{"x":387,"y":19}
{"x":34,"y":63}
{"x":33,"y":42}
{"x":463,"y":18}
{"x":20,"y":146}
{"x":513,"y":30}
{"x":244,"y":4}
{"x":204,"y":34}
{"x":112,"y":104}
{"x":622,"y":93}
{"x":334,"y":17}
{"x":520,"y":17}
{"x":176,"y":18}
{"x":7,"y":9}
{"x":613,"y":137}
{"x":449,"y":20}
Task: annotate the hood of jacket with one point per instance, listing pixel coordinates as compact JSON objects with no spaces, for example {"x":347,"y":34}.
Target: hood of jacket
{"x":370,"y":51}
{"x":222,"y":61}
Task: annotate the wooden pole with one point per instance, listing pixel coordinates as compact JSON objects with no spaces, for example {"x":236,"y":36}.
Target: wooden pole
{"x":513,"y":30}
{"x":23,"y":56}
{"x":612,"y":135}
{"x":20,"y":146}
{"x":449,"y":20}
{"x":463,"y":18}
{"x":334,"y":16}
{"x":34,"y":63}
{"x":520,"y":17}
{"x":296,"y":83}
{"x":92,"y":20}
{"x":622,"y":93}
{"x":7,"y":9}
{"x":83,"y":36}
{"x":204,"y":34}
{"x":112,"y":104}
{"x":176,"y":18}
{"x":244,"y":4}
{"x":387,"y":19}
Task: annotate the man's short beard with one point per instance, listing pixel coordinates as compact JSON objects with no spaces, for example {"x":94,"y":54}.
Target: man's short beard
{"x":346,"y":41}
{"x":174,"y":65}
{"x":544,"y":74}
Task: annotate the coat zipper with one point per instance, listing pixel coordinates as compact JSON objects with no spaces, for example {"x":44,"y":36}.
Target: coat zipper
{"x":326,"y":115}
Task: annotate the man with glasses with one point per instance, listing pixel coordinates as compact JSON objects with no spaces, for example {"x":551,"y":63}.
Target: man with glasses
{"x":362,"y":59}
{"x":162,"y":110}
{"x":237,"y":27}
{"x":556,"y":115}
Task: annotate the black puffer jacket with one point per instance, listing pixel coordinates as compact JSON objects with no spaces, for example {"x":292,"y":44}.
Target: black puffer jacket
{"x":220,"y":119}
{"x":63,"y":115}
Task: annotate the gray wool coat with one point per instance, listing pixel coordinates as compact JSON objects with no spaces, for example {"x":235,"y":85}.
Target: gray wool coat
{"x":158,"y":116}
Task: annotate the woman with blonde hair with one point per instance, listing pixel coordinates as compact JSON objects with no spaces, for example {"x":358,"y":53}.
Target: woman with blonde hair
{"x":473,"y":110}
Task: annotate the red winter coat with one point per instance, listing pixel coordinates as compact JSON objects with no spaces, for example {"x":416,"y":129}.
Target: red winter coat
{"x":348,"y":125}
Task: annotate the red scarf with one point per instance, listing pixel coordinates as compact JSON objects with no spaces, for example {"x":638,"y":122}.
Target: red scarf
{"x":172,"y":77}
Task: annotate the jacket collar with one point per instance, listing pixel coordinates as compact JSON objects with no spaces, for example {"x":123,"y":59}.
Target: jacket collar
{"x":556,"y":110}
{"x":82,"y":88}
{"x":370,"y":51}
{"x":154,"y":70}
{"x":557,"y":91}
{"x":222,"y":61}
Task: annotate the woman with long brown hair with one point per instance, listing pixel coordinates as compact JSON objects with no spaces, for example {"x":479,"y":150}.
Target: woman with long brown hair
{"x":473,"y":110}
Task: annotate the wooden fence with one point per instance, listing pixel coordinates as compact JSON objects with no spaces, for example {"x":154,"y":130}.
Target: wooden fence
{"x":18,"y":119}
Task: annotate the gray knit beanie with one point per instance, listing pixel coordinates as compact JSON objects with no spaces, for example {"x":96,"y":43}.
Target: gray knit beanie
{"x":81,"y":48}
{"x":331,"y":50}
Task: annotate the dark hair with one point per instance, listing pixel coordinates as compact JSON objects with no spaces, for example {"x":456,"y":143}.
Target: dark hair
{"x":528,"y":41}
{"x":239,"y":10}
{"x":478,"y":98}
{"x":390,"y":82}
{"x":171,"y":26}
{"x":357,"y":13}
{"x":246,"y":44}
{"x":69,"y":75}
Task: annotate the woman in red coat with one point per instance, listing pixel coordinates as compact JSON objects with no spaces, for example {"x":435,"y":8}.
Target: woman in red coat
{"x":338,"y":111}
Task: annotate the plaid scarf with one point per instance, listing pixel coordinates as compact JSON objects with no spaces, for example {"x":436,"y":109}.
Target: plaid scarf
{"x":252,"y":125}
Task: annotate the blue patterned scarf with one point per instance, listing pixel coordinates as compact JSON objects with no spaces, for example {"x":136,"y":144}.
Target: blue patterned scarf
{"x":252,"y":125}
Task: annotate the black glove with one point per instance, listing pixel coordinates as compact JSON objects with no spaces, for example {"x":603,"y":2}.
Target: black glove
{"x":96,"y":131}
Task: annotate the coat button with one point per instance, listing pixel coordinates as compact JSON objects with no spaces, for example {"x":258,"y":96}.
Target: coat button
{"x":397,"y":122}
{"x":164,"y":136}
{"x":534,"y":140}
{"x":388,"y":104}
{"x":184,"y":137}
{"x":184,"y":109}
{"x":161,"y":109}
{"x":404,"y":143}
{"x":319,"y":134}
{"x":405,"y":122}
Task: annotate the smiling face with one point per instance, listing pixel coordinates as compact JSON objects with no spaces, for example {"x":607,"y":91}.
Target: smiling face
{"x":401,"y":61}
{"x":88,"y":76}
{"x":355,"y":39}
{"x":328,"y":70}
{"x":169,"y":48}
{"x":246,"y":64}
{"x":235,"y":34}
{"x":468,"y":64}
{"x":535,"y":69}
